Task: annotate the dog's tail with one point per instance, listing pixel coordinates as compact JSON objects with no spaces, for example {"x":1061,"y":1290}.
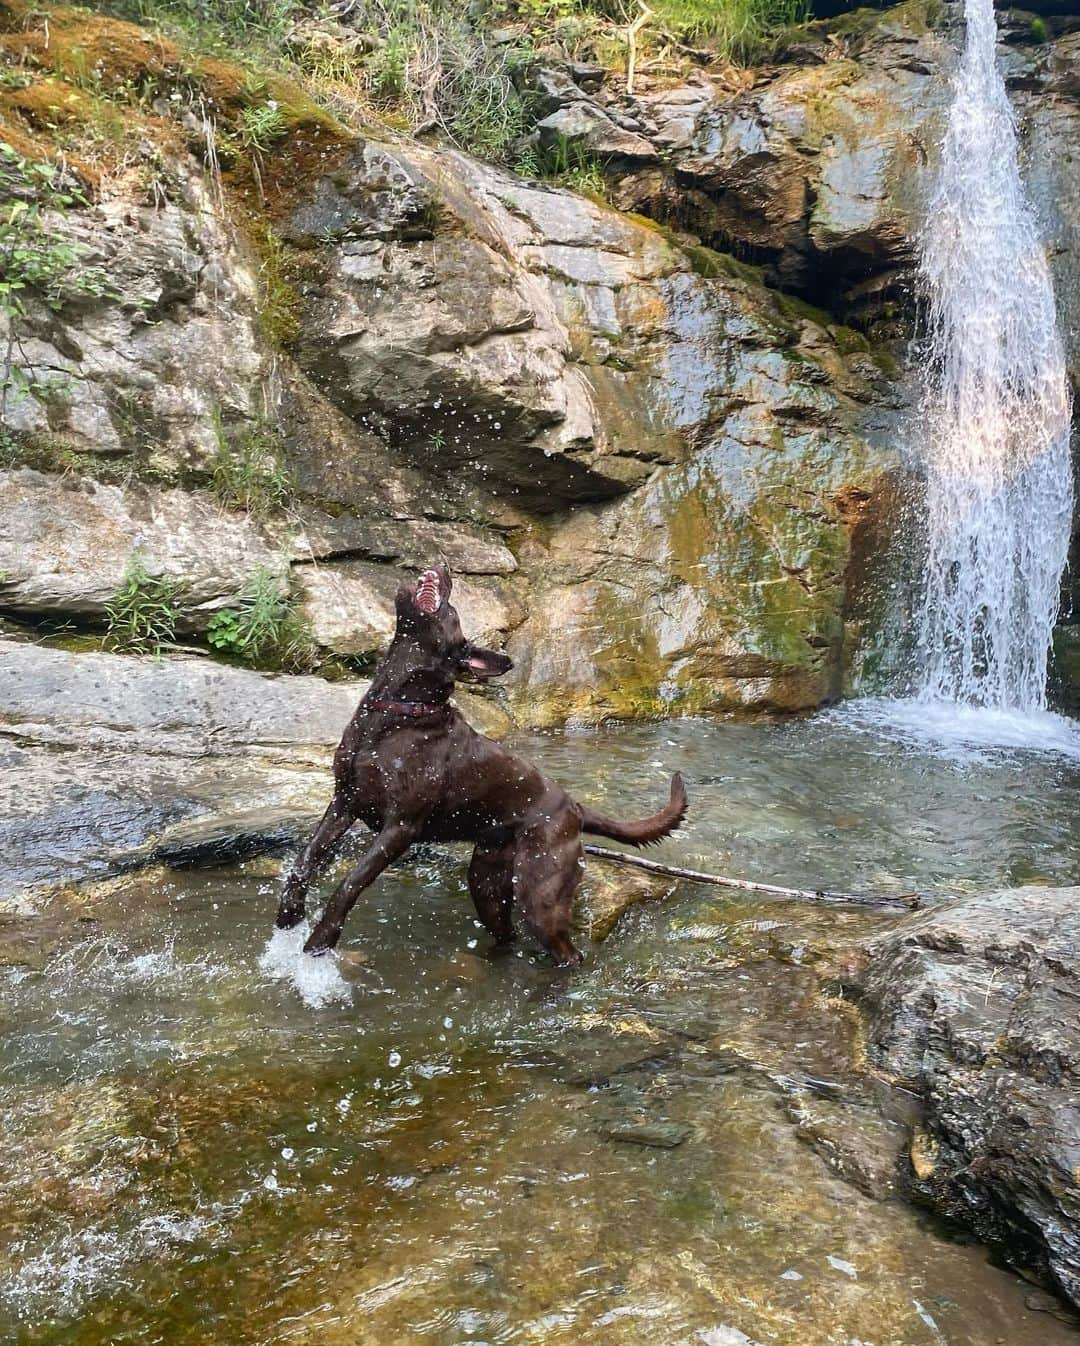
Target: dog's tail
{"x":645,"y":831}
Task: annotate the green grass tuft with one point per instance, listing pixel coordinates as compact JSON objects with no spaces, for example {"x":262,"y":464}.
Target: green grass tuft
{"x":143,"y":613}
{"x":247,"y":472}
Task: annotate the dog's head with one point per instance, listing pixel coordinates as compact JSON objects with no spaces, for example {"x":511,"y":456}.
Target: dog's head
{"x":426,"y":617}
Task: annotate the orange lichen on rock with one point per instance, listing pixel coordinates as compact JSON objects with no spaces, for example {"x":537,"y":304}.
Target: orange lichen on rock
{"x":78,"y":45}
{"x":49,"y":103}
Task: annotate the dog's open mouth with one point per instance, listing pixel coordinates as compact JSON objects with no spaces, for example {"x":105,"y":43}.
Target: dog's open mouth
{"x":428,"y":592}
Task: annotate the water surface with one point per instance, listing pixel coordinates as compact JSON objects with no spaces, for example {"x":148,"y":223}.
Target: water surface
{"x":443,"y":1146}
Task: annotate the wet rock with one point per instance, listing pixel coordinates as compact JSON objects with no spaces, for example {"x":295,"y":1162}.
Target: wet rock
{"x":654,"y":1134}
{"x":854,"y":1141}
{"x":609,"y":890}
{"x":1048,"y":111}
{"x":975,"y":1006}
{"x":26,"y":943}
{"x":719,"y":583}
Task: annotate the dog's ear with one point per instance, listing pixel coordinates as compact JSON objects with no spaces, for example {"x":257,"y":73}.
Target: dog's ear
{"x":446,"y":580}
{"x":484,"y":664}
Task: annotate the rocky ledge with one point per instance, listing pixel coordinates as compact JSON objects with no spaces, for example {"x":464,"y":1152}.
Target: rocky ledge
{"x":977,"y":1007}
{"x":113,"y":762}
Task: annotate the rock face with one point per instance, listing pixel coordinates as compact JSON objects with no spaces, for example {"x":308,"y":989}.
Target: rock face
{"x":68,"y":540}
{"x":744,"y":437}
{"x":664,"y":482}
{"x":975,"y":1006}
{"x":142,"y":376}
{"x":820,"y":169}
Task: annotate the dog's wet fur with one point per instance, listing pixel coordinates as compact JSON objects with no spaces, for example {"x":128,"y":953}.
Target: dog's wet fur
{"x":411,"y":769}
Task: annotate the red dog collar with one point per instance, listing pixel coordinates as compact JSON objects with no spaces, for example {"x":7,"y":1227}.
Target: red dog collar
{"x":413,"y":708}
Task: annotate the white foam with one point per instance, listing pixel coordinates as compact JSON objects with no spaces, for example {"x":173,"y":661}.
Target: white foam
{"x":962,"y":733}
{"x":58,"y":1279}
{"x":318,"y":980}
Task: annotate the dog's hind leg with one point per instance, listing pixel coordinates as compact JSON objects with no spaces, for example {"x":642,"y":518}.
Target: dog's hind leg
{"x":547,"y":870}
{"x":491,"y":883}
{"x":326,"y":838}
{"x":393,"y":841}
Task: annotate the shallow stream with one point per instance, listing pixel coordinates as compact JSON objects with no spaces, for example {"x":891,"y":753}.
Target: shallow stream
{"x":675,"y":1145}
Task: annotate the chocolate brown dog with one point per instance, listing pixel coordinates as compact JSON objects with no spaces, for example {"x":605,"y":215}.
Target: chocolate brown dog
{"x":411,"y":769}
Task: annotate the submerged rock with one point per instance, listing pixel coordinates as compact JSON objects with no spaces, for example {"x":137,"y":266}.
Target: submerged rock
{"x":975,"y":1006}
{"x":654,"y":1133}
{"x":609,"y":890}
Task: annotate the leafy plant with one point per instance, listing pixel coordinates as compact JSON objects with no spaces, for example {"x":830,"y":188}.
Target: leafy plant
{"x":247,"y":472}
{"x":143,"y":613}
{"x":261,"y":125}
{"x":261,"y":626}
{"x":255,"y":622}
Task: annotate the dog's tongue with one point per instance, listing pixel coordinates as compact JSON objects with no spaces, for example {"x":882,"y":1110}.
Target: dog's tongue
{"x":427,"y":592}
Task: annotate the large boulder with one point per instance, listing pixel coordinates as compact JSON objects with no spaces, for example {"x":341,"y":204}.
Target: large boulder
{"x":466,"y":348}
{"x":726,"y":579}
{"x":975,"y":1007}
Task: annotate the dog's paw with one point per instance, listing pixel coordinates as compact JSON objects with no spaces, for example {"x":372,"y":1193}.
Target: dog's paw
{"x":320,"y":942}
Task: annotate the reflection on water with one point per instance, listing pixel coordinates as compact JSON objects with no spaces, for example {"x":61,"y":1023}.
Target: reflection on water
{"x":672,"y":1146}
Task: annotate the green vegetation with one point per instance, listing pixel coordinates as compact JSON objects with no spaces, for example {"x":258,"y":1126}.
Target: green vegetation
{"x":257,"y":28}
{"x":143,"y":613}
{"x":569,"y":163}
{"x":438,"y":65}
{"x":247,"y":472}
{"x":262,"y":626}
{"x":260,"y":125}
{"x":256,"y":620}
{"x":1038,"y":30}
{"x":280,"y":306}
{"x":37,"y":263}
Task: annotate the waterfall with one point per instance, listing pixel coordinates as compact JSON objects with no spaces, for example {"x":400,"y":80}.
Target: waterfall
{"x":996,"y":412}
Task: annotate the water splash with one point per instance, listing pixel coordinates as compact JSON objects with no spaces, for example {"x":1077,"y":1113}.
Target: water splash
{"x":996,"y":413}
{"x":318,"y":980}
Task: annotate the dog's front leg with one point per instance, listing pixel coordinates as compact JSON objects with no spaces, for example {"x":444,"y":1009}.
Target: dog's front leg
{"x":391,"y":843}
{"x":335,"y":822}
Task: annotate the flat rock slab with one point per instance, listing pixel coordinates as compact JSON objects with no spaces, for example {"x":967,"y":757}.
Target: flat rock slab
{"x":111,"y":762}
{"x":977,"y":1005}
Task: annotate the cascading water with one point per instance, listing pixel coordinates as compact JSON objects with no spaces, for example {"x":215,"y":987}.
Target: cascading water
{"x":996,"y":412}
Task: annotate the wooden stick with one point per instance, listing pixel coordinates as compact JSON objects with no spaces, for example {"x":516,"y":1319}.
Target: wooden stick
{"x":631,"y":43}
{"x":909,"y":901}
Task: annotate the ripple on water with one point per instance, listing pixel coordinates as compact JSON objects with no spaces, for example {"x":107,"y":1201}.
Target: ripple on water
{"x":203,"y":1137}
